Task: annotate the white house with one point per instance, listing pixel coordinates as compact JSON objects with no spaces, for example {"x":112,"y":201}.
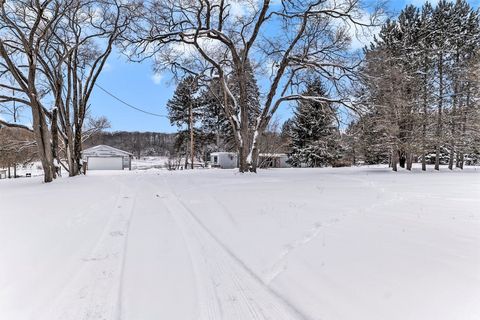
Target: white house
{"x":104,"y":157}
{"x":224,"y":160}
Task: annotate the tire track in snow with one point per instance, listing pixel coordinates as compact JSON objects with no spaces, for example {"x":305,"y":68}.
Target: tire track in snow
{"x":227,"y":288}
{"x":208,"y":198}
{"x":95,"y":290}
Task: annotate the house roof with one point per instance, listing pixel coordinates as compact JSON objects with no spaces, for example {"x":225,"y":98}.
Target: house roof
{"x":105,"y":147}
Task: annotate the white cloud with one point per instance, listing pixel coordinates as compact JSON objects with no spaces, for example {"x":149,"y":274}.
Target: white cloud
{"x":242,"y":9}
{"x":157,"y":78}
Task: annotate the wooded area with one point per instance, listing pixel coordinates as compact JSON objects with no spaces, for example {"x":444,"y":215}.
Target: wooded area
{"x":420,"y":88}
{"x":410,"y":95}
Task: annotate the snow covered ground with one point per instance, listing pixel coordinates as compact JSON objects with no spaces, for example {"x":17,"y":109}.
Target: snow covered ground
{"x":33,"y":168}
{"x":331,"y":244}
{"x":145,"y":163}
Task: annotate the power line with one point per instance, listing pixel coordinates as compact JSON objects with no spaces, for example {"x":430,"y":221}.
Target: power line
{"x":128,"y":104}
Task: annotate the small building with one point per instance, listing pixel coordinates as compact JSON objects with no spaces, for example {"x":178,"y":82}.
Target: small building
{"x":3,"y":174}
{"x":224,"y":160}
{"x":273,"y":160}
{"x":104,"y":157}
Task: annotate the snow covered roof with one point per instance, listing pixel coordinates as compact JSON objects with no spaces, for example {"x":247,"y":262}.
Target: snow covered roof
{"x":104,"y":147}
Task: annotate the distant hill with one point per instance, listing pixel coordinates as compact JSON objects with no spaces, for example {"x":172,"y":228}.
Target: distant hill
{"x":138,"y":143}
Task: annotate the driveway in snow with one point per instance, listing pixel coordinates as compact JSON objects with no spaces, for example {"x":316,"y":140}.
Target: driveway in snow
{"x":334,"y":244}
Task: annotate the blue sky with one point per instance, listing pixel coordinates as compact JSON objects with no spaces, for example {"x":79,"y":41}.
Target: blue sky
{"x":137,"y":84}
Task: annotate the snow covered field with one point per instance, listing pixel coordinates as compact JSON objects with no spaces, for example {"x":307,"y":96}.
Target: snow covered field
{"x":145,"y":163}
{"x":331,"y":244}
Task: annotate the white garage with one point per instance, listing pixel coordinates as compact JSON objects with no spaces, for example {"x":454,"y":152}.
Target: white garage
{"x":103,"y":157}
{"x":105,"y":163}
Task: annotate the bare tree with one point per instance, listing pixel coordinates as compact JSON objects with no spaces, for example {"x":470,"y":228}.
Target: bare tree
{"x":55,"y":51}
{"x":24,"y":28}
{"x":284,"y":41}
{"x":73,"y":60}
{"x":94,"y":126}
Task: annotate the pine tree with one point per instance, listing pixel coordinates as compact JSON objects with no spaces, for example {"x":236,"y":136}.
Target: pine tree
{"x":392,"y":66}
{"x":313,"y":130}
{"x":184,"y":111}
{"x":464,"y":46}
{"x":426,"y":72}
{"x":417,"y":83}
{"x":214,"y":121}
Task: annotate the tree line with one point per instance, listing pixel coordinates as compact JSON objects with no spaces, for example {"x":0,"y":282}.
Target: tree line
{"x":415,"y":98}
{"x":413,"y":90}
{"x":52,"y":53}
{"x":420,"y":89}
{"x":219,"y":43}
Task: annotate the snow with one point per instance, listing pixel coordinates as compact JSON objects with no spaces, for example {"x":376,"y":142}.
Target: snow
{"x":342,"y":243}
{"x":33,"y":168}
{"x":145,"y":163}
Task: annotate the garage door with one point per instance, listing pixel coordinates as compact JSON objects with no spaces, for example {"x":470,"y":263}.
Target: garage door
{"x":105,"y":163}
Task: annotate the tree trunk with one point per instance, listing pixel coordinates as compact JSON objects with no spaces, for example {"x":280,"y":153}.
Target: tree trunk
{"x":255,"y":163}
{"x":453,"y":128}
{"x":354,"y":156}
{"x":44,"y":142}
{"x":253,"y":153}
{"x":439,"y":116}
{"x":452,"y":151}
{"x":465,"y":108}
{"x":409,"y":161}
{"x":186,"y":157}
{"x":78,"y":151}
{"x":459,"y":160}
{"x":54,"y":129}
{"x":394,"y":160}
{"x":425,"y":116}
{"x":70,"y":151}
{"x":192,"y":144}
{"x":247,"y":143}
{"x":243,"y":154}
{"x":402,"y":159}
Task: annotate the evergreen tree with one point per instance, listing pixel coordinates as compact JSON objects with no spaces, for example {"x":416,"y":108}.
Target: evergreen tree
{"x":418,"y":83}
{"x":313,"y":130}
{"x":184,"y":111}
